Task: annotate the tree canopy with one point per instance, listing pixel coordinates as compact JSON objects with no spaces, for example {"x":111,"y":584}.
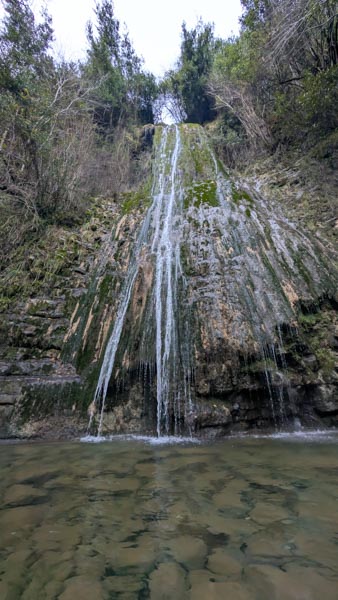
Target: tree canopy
{"x":188,"y":82}
{"x":123,"y":90}
{"x":68,"y":131}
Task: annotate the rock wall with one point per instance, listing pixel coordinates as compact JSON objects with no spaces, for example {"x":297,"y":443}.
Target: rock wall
{"x":254,"y":325}
{"x":42,"y":389}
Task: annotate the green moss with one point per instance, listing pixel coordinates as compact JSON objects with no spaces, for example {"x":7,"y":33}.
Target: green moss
{"x":326,"y":359}
{"x":308,"y":320}
{"x":316,"y":326}
{"x":251,"y":284}
{"x":135,"y":200}
{"x":222,"y":169}
{"x":44,"y":262}
{"x":197,"y":159}
{"x":248,"y":212}
{"x":238,"y":195}
{"x":105,"y":287}
{"x":94,"y":302}
{"x":39,"y":401}
{"x":158,"y":135}
{"x":194,"y":222}
{"x":204,"y":192}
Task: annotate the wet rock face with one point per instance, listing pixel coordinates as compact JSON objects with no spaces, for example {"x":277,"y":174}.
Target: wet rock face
{"x":147,"y":136}
{"x":228,"y":306}
{"x":41,"y":388}
{"x":32,"y":375}
{"x":205,"y":310}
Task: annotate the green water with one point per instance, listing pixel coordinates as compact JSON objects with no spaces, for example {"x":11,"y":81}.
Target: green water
{"x":241,"y":519}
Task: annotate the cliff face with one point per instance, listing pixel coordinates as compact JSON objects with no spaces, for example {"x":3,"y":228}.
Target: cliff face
{"x":195,"y":305}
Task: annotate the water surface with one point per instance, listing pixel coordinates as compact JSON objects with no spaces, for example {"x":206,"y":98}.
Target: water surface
{"x":241,"y":519}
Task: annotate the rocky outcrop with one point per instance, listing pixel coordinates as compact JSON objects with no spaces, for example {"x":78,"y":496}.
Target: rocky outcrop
{"x":42,"y":391}
{"x":214,"y":288}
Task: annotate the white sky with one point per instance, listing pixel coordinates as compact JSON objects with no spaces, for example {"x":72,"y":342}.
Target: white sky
{"x":154,"y":26}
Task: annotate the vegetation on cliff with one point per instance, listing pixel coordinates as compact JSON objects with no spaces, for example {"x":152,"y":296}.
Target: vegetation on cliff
{"x":67,"y":132}
{"x":276,"y":84}
{"x":268,"y":99}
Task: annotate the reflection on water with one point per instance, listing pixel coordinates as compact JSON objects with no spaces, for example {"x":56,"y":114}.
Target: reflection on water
{"x":242,"y":519}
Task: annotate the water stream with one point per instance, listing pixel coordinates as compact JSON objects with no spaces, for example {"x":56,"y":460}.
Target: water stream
{"x":168,"y":267}
{"x":159,"y":242}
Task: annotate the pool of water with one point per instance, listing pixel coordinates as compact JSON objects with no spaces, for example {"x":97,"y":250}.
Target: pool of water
{"x":250,"y":518}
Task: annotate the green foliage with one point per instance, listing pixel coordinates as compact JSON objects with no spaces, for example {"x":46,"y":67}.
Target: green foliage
{"x":237,"y":58}
{"x":318,"y":100}
{"x":277,"y":82}
{"x":188,"y":83}
{"x":46,"y":132}
{"x":256,"y":13}
{"x":52,"y":159}
{"x":68,"y":132}
{"x":238,"y":195}
{"x":24,"y":45}
{"x":310,"y":111}
{"x":135,"y":200}
{"x":123,"y":92}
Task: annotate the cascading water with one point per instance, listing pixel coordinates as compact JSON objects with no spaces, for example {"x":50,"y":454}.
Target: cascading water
{"x":159,"y":241}
{"x":167,"y":269}
{"x":223,"y":270}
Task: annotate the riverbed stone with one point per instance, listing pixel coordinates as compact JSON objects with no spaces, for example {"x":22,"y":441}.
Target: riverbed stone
{"x":23,"y":495}
{"x":168,"y":582}
{"x":139,"y":558}
{"x":83,"y":587}
{"x":266,"y":513}
{"x":126,"y":586}
{"x":188,"y":550}
{"x":274,"y":540}
{"x":9,"y":591}
{"x":19,"y":522}
{"x":234,"y":528}
{"x":222,"y":563}
{"x":204,"y":586}
{"x":291,"y":583}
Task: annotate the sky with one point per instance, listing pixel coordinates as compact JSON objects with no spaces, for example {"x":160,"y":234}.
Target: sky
{"x":154,"y":26}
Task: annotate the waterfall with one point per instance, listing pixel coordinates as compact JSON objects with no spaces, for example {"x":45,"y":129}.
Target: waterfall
{"x":222,"y":270}
{"x":159,"y":238}
{"x":165,"y":340}
{"x":168,"y":268}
